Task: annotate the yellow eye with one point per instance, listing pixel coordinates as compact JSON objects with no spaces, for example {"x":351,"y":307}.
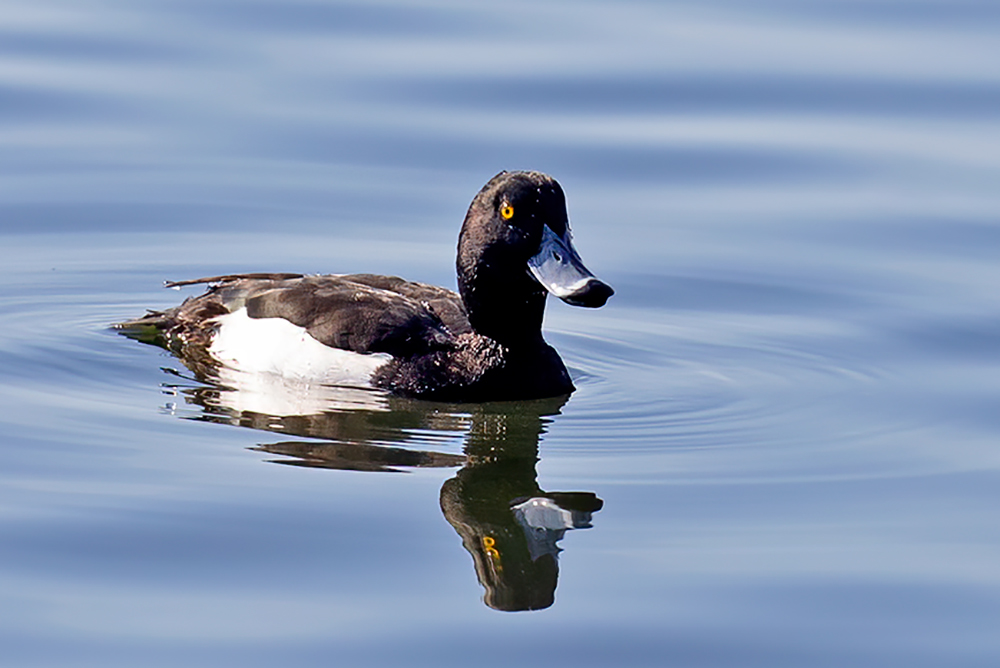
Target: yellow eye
{"x":507,"y":211}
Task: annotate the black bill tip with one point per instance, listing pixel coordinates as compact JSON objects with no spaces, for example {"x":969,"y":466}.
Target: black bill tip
{"x":593,"y":293}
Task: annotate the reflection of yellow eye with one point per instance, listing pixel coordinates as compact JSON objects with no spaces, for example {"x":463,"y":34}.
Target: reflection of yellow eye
{"x":507,"y":212}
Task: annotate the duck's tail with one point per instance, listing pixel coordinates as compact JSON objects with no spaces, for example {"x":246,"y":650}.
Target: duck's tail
{"x":151,"y":328}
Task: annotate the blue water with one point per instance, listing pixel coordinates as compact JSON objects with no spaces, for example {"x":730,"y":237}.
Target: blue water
{"x":789,"y":411}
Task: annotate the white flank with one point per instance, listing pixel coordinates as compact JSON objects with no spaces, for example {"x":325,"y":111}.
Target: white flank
{"x":276,"y":346}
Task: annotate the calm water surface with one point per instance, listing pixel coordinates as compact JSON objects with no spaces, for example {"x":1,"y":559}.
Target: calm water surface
{"x":785,"y":445}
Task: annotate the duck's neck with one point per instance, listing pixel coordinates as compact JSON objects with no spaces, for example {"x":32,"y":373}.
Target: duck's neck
{"x":507,"y":306}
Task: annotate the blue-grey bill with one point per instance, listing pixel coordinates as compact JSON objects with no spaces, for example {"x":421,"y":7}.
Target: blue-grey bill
{"x":558,"y":267}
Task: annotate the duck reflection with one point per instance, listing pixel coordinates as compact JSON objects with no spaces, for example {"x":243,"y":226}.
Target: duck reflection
{"x":506,"y":521}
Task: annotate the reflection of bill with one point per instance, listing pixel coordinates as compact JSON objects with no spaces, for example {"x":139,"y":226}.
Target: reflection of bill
{"x":509,"y":525}
{"x":545,"y":522}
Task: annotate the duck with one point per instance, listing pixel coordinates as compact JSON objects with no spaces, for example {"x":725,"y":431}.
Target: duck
{"x":410,"y":339}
